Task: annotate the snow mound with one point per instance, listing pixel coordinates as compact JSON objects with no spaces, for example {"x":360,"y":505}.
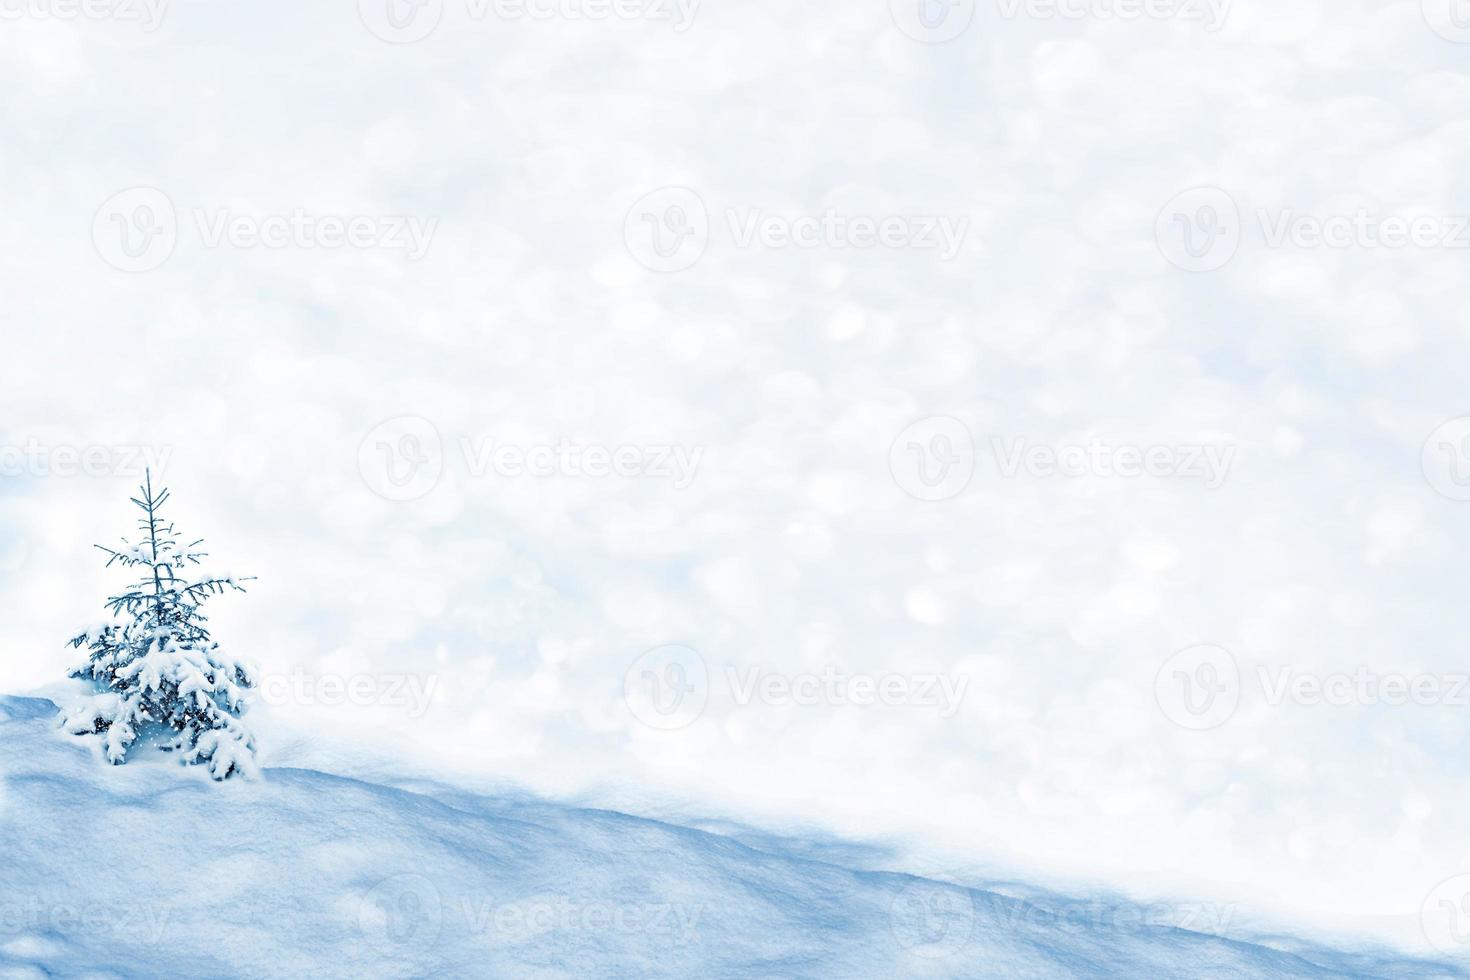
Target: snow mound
{"x":150,"y":870}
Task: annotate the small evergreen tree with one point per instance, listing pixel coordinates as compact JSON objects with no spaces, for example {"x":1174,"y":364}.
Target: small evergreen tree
{"x":156,"y":668}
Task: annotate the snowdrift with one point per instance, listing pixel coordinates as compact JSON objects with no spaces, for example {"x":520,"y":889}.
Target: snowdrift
{"x":149,"y":870}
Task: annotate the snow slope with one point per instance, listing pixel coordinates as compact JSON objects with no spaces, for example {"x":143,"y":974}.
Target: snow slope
{"x":149,"y":870}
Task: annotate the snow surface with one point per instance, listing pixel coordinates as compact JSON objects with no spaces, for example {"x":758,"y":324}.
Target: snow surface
{"x":149,"y":870}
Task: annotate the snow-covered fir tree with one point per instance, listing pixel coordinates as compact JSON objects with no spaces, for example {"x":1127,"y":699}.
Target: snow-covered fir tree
{"x":157,"y":670}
